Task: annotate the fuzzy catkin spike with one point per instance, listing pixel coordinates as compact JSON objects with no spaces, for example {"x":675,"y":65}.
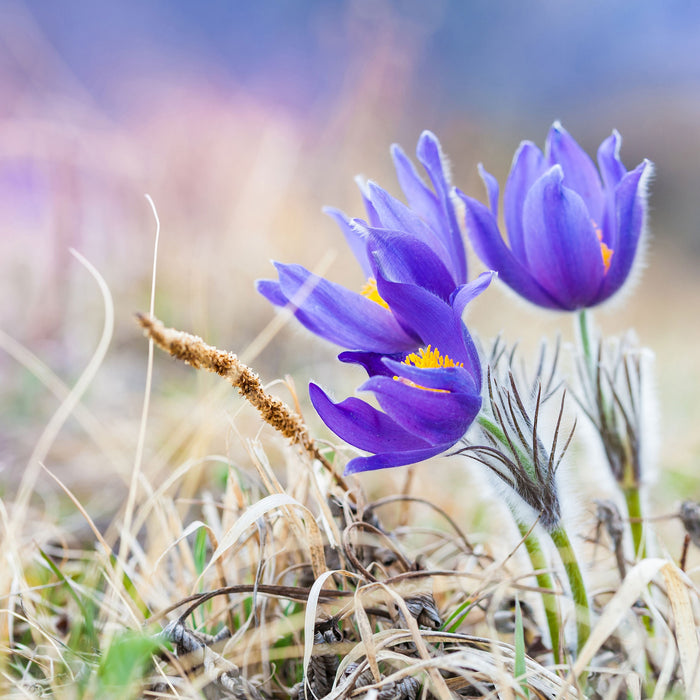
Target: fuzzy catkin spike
{"x":192,"y":350}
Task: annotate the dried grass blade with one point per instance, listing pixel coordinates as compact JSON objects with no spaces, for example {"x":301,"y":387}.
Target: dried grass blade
{"x":686,"y":632}
{"x":619,"y":606}
{"x":312,"y":614}
{"x":276,"y":500}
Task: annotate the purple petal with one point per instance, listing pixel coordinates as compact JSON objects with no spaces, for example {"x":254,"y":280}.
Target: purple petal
{"x":491,"y":188}
{"x":429,"y":153}
{"x":467,"y":292}
{"x":528,"y":166}
{"x":372,"y":362}
{"x":270,"y":289}
{"x":460,"y":299}
{"x":392,"y":459}
{"x":355,"y":237}
{"x":631,"y":208}
{"x":563,"y":250}
{"x":580,"y":174}
{"x":395,"y":215}
{"x":403,"y":258}
{"x":611,"y":166}
{"x":418,"y":195}
{"x":493,"y":252}
{"x":362,"y":425}
{"x":457,"y":380}
{"x":433,"y":159}
{"x":372,"y":215}
{"x":339,"y":315}
{"x":435,"y":416}
{"x":430,"y":318}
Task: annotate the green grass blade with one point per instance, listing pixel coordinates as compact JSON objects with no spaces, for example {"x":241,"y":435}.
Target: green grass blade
{"x":520,"y":667}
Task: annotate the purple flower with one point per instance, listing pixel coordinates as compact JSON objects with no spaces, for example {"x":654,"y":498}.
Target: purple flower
{"x":428,"y":398}
{"x":418,"y":244}
{"x":572,"y":238}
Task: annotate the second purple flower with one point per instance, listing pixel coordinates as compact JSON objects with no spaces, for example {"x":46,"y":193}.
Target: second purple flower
{"x":572,"y":237}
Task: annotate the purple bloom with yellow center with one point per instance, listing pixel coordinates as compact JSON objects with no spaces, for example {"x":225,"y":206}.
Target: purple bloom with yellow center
{"x":573,"y":234}
{"x":418,"y":243}
{"x":429,"y":398}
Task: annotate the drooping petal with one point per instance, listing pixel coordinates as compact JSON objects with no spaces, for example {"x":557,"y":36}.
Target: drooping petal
{"x":356,"y":238}
{"x":630,"y":209}
{"x":392,"y":459}
{"x":563,"y":250}
{"x":468,"y":292}
{"x":528,"y":166}
{"x":495,"y":254}
{"x":362,"y":425}
{"x":434,"y":416}
{"x":580,"y":174}
{"x":339,"y":315}
{"x":403,"y":258}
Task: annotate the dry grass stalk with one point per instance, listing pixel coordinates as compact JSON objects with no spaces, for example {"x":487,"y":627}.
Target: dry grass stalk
{"x":192,"y":350}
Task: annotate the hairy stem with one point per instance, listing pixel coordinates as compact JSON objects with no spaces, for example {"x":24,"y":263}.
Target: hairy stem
{"x":585,"y":338}
{"x":578,"y":587}
{"x":544,"y":580}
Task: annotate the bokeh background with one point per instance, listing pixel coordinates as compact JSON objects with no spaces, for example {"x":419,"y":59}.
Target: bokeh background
{"x":242,"y":120}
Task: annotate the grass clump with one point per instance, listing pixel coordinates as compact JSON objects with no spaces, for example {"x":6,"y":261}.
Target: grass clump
{"x":249,"y":587}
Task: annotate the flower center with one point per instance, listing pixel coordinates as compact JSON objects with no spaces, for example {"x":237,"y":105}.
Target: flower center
{"x":606,"y":252}
{"x":428,"y":358}
{"x":370,"y":291}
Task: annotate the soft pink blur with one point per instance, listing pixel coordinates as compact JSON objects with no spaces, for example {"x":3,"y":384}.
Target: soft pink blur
{"x":238,"y":181}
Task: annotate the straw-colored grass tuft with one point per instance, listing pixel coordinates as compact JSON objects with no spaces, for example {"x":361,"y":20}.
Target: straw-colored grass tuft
{"x":259,"y":585}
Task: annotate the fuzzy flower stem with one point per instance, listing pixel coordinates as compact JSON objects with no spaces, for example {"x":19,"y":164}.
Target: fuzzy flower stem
{"x":192,"y":350}
{"x":544,"y":580}
{"x":629,"y":483}
{"x":578,"y":588}
{"x":585,"y":337}
{"x":537,"y":557}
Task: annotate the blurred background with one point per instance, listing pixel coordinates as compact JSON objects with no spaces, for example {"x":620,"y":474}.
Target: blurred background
{"x":242,"y":120}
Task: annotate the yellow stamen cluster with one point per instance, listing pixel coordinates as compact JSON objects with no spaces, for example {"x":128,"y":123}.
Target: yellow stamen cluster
{"x":370,"y":291}
{"x":427,"y":358}
{"x":430,"y":358}
{"x":606,"y":252}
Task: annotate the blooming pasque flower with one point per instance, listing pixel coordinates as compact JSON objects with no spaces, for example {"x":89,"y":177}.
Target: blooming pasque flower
{"x":428,"y":398}
{"x":420,"y":242}
{"x":572,"y":239}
